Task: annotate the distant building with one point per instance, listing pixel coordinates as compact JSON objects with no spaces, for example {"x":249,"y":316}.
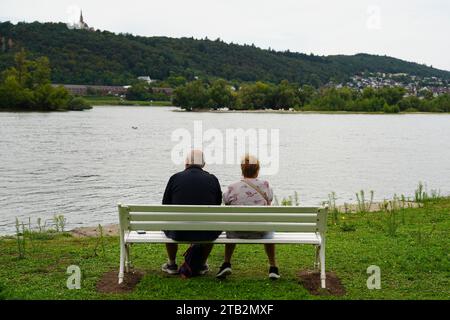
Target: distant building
{"x":146,"y":79}
{"x":82,"y":25}
{"x":84,"y":90}
{"x":166,"y":91}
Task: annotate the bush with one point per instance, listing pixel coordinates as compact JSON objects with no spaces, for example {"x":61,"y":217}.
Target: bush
{"x":390,"y":109}
{"x":78,"y":104}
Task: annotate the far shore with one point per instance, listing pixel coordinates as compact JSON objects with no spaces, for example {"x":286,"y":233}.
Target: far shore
{"x":300,"y":112}
{"x":164,"y":104}
{"x":269,"y":111}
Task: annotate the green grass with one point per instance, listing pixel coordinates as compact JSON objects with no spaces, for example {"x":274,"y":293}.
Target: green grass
{"x":117,"y":101}
{"x":414,"y":262}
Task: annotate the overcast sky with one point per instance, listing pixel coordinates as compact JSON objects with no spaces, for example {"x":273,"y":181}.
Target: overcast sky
{"x":413,"y":30}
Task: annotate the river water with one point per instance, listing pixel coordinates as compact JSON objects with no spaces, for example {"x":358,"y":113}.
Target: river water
{"x":81,"y":164}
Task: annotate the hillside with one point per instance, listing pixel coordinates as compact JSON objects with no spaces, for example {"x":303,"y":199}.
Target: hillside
{"x":102,"y":57}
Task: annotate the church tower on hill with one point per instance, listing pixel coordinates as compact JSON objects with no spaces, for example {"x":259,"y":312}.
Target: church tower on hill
{"x":81,"y":24}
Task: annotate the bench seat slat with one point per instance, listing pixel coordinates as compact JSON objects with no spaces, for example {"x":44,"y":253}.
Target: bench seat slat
{"x":229,"y":217}
{"x":220,"y":226}
{"x":219,"y":209}
{"x":279,"y":237}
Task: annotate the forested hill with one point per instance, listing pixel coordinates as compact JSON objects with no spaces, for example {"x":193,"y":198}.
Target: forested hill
{"x":102,"y":57}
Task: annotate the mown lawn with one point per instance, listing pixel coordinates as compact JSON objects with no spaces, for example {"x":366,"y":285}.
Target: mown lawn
{"x":414,"y":262}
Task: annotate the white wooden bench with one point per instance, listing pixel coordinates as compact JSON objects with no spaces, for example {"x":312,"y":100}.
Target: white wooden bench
{"x":292,"y":225}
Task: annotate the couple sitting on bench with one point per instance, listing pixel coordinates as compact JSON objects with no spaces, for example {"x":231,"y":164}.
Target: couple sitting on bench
{"x":194,"y":186}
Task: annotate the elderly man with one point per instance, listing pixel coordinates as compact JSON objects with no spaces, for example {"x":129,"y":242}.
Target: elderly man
{"x":192,"y":186}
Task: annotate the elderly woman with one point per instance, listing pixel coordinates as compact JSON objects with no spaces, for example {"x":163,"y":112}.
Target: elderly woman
{"x":249,"y":191}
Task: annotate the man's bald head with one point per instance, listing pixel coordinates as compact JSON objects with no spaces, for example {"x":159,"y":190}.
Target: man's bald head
{"x":195,"y":158}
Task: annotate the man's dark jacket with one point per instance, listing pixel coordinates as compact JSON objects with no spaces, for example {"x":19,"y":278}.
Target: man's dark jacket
{"x":193,"y":186}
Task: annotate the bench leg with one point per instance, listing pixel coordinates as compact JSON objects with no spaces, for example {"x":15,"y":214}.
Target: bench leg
{"x":127,"y":258}
{"x":322,"y":265}
{"x":317,"y":260}
{"x":122,"y":259}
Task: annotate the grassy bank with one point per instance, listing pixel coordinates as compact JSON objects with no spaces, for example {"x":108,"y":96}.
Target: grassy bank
{"x":410,"y":246}
{"x":117,"y":101}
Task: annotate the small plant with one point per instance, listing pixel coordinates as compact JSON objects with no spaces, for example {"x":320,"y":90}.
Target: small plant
{"x":421,"y":237}
{"x":60,"y":223}
{"x":347,"y":227}
{"x":100,"y":241}
{"x":287,"y":202}
{"x":392,"y":224}
{"x":420,"y":195}
{"x":39,"y":225}
{"x":392,"y":208}
{"x":435,"y":194}
{"x":364,"y":206}
{"x":20,"y":235}
{"x":296,"y":201}
{"x":333,"y":209}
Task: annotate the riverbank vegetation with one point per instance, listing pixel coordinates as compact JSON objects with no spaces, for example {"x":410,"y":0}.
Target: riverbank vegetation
{"x":260,"y":95}
{"x":409,"y":244}
{"x":27,"y":87}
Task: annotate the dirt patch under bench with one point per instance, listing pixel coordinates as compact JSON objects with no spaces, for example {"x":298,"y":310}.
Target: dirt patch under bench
{"x":109,"y":282}
{"x":311,"y":281}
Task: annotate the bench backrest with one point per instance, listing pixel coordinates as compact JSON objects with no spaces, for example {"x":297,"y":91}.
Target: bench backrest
{"x":222,"y":218}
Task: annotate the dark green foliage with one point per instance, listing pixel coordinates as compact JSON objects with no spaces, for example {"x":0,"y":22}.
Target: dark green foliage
{"x":138,"y":91}
{"x":102,"y":57}
{"x":192,"y":95}
{"x":261,"y":95}
{"x":220,"y":95}
{"x":78,"y":103}
{"x":142,"y":91}
{"x":26,"y":86}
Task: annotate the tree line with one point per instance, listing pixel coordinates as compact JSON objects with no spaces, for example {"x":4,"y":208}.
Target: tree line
{"x":104,"y":58}
{"x":285,"y":95}
{"x":26,"y":86}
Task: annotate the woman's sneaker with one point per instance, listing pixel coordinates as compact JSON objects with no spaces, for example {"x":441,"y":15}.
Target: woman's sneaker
{"x":273,"y":273}
{"x":224,"y":271}
{"x":204,"y":270}
{"x":171,"y":269}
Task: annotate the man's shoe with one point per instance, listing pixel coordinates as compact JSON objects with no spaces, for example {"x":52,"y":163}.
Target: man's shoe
{"x":224,"y":271}
{"x":273,"y":273}
{"x":204,"y":270}
{"x":171,"y":269}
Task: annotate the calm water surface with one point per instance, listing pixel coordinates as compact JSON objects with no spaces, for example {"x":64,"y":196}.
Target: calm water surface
{"x":81,"y":164}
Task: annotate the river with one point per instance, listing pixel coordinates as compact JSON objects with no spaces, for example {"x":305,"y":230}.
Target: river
{"x":81,"y":164}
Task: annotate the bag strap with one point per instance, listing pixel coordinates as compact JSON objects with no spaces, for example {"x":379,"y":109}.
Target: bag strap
{"x":257,"y":189}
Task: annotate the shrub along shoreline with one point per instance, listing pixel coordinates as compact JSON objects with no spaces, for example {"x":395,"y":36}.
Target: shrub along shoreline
{"x":197,"y":95}
{"x":27,"y":87}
